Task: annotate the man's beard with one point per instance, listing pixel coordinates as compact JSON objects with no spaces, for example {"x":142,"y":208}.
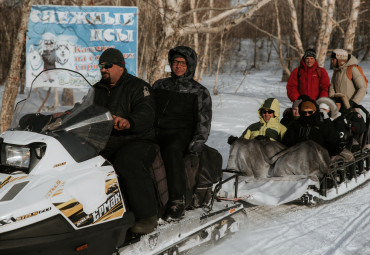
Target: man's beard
{"x":106,"y":78}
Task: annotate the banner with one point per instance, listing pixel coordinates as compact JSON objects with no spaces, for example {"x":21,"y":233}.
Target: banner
{"x":73,"y":37}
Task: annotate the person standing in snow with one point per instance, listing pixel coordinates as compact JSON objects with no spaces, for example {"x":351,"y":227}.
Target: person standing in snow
{"x":355,"y":89}
{"x":183,"y":122}
{"x":131,"y":144}
{"x":308,"y":79}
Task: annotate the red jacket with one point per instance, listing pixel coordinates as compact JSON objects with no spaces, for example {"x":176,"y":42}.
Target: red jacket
{"x":313,"y":82}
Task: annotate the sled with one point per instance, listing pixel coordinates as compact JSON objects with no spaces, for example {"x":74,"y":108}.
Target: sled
{"x":59,"y":196}
{"x":336,"y":177}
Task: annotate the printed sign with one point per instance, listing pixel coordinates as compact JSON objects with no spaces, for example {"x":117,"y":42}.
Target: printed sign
{"x":73,"y":37}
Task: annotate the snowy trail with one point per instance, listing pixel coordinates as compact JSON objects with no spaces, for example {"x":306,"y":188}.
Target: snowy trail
{"x":337,"y":227}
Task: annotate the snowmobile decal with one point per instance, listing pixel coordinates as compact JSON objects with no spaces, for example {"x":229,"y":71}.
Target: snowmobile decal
{"x":10,"y":179}
{"x":54,"y":191}
{"x":60,"y":164}
{"x":23,"y":217}
{"x":73,"y":210}
{"x":112,"y":208}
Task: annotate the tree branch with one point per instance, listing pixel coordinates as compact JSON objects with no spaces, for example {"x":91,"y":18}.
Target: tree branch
{"x":322,"y":9}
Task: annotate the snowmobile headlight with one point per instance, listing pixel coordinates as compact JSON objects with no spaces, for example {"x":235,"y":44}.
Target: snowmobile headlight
{"x":16,"y":156}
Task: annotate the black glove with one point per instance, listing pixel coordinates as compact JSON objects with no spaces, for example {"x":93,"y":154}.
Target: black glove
{"x":353,"y":104}
{"x":196,"y":147}
{"x":231,"y":139}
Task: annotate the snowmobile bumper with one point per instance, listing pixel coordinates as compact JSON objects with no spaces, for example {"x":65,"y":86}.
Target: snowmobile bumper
{"x":56,"y":236}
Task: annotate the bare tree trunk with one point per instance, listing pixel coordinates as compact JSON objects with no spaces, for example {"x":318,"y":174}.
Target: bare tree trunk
{"x":204,"y":55}
{"x":296,"y":34}
{"x":215,"y":91}
{"x":349,"y":38}
{"x":328,"y":29}
{"x":11,"y":89}
{"x":285,"y":67}
{"x":196,"y":37}
{"x":321,"y":32}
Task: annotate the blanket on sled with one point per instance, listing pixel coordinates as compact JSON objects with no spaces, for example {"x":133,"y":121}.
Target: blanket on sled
{"x":274,"y":174}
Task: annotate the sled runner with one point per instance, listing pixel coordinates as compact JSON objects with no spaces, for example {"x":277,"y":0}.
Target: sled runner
{"x":59,"y":196}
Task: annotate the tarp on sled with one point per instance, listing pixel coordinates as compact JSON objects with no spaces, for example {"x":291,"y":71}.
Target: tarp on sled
{"x":273,"y":173}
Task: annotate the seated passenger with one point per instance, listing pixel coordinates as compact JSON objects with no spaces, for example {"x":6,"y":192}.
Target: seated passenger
{"x":183,"y":122}
{"x":291,"y":114}
{"x":309,"y":127}
{"x":268,"y":126}
{"x":329,"y":112}
{"x":354,"y":120}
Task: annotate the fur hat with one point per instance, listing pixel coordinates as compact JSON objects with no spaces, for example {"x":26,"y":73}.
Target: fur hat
{"x":309,"y":53}
{"x":324,"y":106}
{"x":308,"y":105}
{"x":112,"y":55}
{"x":339,"y":54}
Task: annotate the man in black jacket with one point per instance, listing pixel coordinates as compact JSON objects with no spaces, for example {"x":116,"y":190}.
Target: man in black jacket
{"x":183,"y":121}
{"x":309,"y":127}
{"x":130,"y":146}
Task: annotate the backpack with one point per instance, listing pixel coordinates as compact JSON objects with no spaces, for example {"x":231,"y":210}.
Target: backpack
{"x":349,"y":73}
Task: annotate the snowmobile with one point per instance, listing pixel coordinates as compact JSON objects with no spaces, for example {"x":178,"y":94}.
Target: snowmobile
{"x":59,"y":196}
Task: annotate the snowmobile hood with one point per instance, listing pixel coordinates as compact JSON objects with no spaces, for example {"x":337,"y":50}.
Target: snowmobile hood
{"x":191,"y":60}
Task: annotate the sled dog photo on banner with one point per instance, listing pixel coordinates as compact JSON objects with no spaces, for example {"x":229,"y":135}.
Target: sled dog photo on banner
{"x":73,"y":37}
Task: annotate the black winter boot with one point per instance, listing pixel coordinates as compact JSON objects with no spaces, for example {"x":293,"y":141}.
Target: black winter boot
{"x":145,"y":225}
{"x":176,"y":210}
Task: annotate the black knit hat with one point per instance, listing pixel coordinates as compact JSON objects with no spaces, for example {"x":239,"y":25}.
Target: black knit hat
{"x":310,"y":53}
{"x":112,"y":55}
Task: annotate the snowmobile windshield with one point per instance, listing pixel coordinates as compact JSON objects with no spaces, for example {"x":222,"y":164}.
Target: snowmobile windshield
{"x":61,"y":104}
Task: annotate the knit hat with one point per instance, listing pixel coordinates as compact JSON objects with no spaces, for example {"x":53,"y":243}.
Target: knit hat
{"x":296,"y":103}
{"x":339,"y":54}
{"x":308,"y":105}
{"x":324,"y":106}
{"x":310,"y":53}
{"x":112,"y":55}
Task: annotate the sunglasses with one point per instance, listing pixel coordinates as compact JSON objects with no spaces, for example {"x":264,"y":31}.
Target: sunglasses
{"x":307,"y":113}
{"x":268,"y":111}
{"x":180,"y":63}
{"x":105,"y":66}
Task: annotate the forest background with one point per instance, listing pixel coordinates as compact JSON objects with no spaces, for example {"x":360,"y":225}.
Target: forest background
{"x":215,"y":29}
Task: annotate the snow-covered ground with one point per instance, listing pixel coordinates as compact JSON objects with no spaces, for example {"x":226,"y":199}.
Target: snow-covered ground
{"x":338,"y":227}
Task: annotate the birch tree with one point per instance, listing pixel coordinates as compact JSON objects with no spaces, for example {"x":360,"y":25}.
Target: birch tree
{"x":352,"y":24}
{"x":171,"y":15}
{"x":328,"y":29}
{"x":11,"y":89}
{"x":294,"y":21}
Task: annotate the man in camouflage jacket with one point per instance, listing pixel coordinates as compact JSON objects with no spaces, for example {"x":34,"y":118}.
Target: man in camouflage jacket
{"x":183,"y":121}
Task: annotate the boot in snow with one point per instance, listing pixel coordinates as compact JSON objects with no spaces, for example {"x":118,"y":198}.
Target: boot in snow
{"x":145,"y":225}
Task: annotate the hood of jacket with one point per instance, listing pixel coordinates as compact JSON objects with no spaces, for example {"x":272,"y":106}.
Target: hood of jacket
{"x":333,"y":107}
{"x":270,"y":103}
{"x":191,"y":61}
{"x":351,"y":61}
